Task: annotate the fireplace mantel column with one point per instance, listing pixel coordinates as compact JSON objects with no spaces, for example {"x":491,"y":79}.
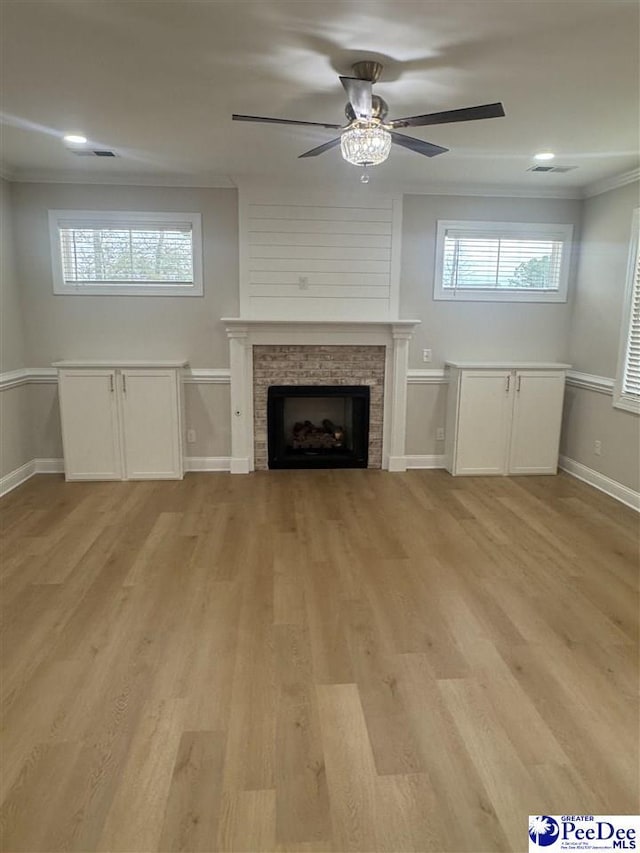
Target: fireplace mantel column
{"x":241,"y":400}
{"x":400,"y":361}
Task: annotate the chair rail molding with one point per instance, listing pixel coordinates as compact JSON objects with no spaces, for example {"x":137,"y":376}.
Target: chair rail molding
{"x":591,"y":382}
{"x":28,"y":375}
{"x":427,"y":377}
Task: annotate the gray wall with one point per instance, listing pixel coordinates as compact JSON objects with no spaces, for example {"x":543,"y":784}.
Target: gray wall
{"x":595,"y":339}
{"x":584,"y":331}
{"x":478,"y":330}
{"x":472,"y":330}
{"x":126,"y":326}
{"x":105,"y":327}
{"x":601,"y":279}
{"x":11,"y":326}
{"x":16,"y":445}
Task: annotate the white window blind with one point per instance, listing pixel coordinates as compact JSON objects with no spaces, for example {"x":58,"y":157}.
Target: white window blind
{"x":126,"y":253}
{"x":631,"y":375}
{"x":502,"y":261}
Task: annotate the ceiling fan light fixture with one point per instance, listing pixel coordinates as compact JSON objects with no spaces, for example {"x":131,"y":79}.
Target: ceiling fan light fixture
{"x":365,"y":144}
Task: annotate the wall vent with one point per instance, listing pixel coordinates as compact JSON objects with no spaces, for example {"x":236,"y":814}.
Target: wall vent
{"x":84,"y":152}
{"x":558,"y":169}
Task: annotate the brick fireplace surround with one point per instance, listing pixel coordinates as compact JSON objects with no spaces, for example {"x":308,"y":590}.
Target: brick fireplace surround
{"x":281,"y":364}
{"x":304,"y":352}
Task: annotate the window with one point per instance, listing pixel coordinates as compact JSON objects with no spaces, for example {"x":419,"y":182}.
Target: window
{"x":126,"y":253}
{"x":502,"y":261}
{"x":627,"y":388}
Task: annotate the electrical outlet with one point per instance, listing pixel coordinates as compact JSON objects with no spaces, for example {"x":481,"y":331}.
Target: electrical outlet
{"x":440,"y":434}
{"x":191,"y":436}
{"x":597,"y":447}
{"x":426,"y":356}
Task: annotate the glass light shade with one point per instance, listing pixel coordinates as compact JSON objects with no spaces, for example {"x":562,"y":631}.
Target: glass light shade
{"x":365,"y":145}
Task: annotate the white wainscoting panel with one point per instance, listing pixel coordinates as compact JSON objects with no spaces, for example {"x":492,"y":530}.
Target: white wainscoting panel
{"x":319,"y":256}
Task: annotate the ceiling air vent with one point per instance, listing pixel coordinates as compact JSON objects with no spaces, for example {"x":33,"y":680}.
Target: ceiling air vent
{"x":83,"y":152}
{"x":557,"y":169}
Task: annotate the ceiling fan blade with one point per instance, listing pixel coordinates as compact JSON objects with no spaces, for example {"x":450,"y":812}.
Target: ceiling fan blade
{"x":320,"y":149}
{"x":359,"y":94}
{"x":417,"y":145}
{"x":466,"y":114}
{"x":236,"y":117}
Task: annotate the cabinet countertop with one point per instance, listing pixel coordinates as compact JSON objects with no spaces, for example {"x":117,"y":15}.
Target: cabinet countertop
{"x":105,"y":363}
{"x":508,"y":365}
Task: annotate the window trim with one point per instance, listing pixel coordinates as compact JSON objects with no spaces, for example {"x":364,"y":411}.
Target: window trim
{"x":547,"y":230}
{"x":125,"y":217}
{"x":623,"y":401}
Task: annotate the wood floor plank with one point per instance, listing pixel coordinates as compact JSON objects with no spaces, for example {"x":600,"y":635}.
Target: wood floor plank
{"x":313,"y":662}
{"x":503,"y":773}
{"x":351,"y":772}
{"x":302,"y":797}
{"x":136,"y":816}
{"x":247,"y":821}
{"x":193,"y":803}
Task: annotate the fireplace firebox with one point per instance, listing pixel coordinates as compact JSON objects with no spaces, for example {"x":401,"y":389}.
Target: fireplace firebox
{"x":318,"y":426}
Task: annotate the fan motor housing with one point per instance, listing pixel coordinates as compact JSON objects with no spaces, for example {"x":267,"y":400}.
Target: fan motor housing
{"x":368,"y":70}
{"x":379,"y":109}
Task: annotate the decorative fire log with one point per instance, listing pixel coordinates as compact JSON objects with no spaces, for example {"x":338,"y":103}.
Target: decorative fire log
{"x":308,"y":436}
{"x":336,"y":431}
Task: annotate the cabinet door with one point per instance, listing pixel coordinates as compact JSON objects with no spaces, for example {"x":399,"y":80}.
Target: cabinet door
{"x":537,"y":418}
{"x":151,"y":424}
{"x":483,"y":422}
{"x":90,"y":434}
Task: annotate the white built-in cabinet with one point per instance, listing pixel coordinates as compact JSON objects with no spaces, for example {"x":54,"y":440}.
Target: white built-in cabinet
{"x":121,"y":420}
{"x":504,"y":418}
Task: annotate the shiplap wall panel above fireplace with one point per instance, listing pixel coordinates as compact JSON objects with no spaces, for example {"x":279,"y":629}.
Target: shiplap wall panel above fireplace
{"x":319,"y":255}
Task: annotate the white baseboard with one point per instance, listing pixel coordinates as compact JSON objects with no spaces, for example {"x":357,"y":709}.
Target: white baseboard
{"x":49,"y":466}
{"x":207,"y":463}
{"x":240,"y":465}
{"x":599,"y":481}
{"x":397,"y":464}
{"x":20,"y":475}
{"x":433,"y":461}
{"x":16,"y":477}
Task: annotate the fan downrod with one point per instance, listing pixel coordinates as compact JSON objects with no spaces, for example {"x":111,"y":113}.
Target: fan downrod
{"x":368,"y":69}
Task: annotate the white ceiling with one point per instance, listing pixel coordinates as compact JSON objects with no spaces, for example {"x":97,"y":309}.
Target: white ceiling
{"x":158,"y":81}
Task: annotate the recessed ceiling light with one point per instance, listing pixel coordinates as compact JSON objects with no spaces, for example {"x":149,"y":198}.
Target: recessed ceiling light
{"x":75,"y":138}
{"x":544,"y":155}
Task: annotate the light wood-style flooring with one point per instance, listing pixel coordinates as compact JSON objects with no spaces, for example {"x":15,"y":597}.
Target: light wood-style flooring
{"x":314,"y":661}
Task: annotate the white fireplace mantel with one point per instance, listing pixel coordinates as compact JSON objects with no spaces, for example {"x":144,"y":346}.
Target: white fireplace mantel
{"x":244,"y":334}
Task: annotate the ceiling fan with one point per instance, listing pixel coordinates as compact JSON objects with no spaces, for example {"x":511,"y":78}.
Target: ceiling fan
{"x":366,"y":138}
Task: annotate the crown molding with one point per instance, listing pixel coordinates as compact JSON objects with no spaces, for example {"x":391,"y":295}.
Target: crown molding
{"x":495,"y":191}
{"x":604,"y":185}
{"x":55,"y":176}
